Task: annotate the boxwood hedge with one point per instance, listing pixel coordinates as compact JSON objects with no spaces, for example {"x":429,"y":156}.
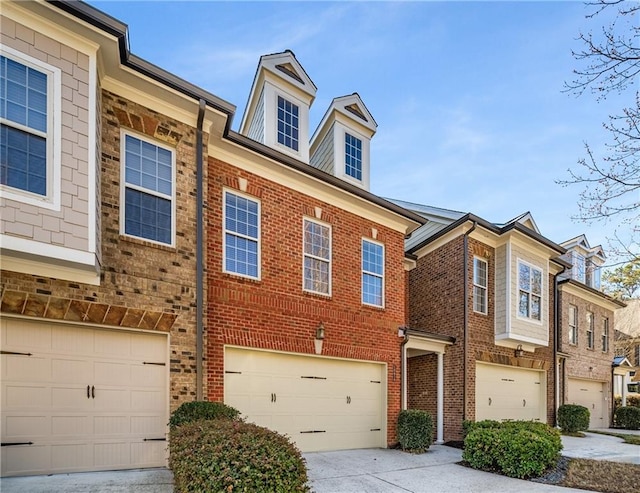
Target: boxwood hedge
{"x":415,"y":430}
{"x":573,"y":418}
{"x":519,"y":449}
{"x":224,"y":455}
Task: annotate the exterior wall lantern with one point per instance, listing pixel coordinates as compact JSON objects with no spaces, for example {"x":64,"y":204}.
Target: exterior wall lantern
{"x":519,"y":352}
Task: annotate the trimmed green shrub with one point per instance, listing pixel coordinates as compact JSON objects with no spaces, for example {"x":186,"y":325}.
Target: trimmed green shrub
{"x":196,"y":410}
{"x":518,"y":449}
{"x":573,"y":418}
{"x":415,"y":430}
{"x":627,"y":417}
{"x":231,"y":455}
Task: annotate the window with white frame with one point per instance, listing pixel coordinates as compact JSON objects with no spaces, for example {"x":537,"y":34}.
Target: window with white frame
{"x":288,"y":123}
{"x":573,"y":324}
{"x":241,"y":235}
{"x":479,"y":285}
{"x":593,"y":275}
{"x":529,"y":291}
{"x":579,"y":269}
{"x":148,"y":190}
{"x":589,"y":330}
{"x":605,"y":335}
{"x":317,"y":257}
{"x":26,"y":124}
{"x":372,"y":273}
{"x":353,"y":156}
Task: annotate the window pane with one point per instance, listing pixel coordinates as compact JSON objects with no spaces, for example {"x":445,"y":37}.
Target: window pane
{"x":148,"y":166}
{"x":372,"y":258}
{"x":372,"y":289}
{"x":287,"y":123}
{"x":316,"y":275}
{"x":353,"y":156}
{"x":147,"y":216}
{"x":535,"y":307}
{"x":524,"y":277}
{"x":241,"y":245}
{"x":536,"y":281}
{"x":523,"y":304}
{"x":23,"y":160}
{"x":24,"y":94}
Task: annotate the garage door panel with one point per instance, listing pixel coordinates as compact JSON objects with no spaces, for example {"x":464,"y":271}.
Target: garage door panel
{"x":590,"y":394}
{"x":70,"y":426}
{"x":317,"y":400}
{"x":70,"y":370}
{"x":23,"y":426}
{"x":509,"y":393}
{"x":45,"y":399}
{"x":72,"y":340}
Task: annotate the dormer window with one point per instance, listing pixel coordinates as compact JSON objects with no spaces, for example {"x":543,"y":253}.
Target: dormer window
{"x":353,"y":156}
{"x":288,"y":123}
{"x":593,"y":275}
{"x":579,"y":267}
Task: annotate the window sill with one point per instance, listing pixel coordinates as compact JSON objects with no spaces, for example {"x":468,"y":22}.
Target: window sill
{"x":240,"y":277}
{"x":147,"y":243}
{"x":314,"y":294}
{"x":374,"y":307}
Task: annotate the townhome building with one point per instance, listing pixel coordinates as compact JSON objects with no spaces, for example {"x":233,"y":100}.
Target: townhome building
{"x":492,"y":288}
{"x":99,"y":199}
{"x":305,"y":268}
{"x":585,"y":342}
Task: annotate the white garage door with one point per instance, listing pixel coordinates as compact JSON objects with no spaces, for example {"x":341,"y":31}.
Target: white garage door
{"x":507,"y":392}
{"x":591,"y":395}
{"x":77,"y":398}
{"x":322,"y":404}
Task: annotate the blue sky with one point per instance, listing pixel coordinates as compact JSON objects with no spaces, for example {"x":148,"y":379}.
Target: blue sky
{"x":467,"y":95}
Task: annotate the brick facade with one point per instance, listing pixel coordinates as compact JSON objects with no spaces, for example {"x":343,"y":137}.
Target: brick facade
{"x":582,"y":362}
{"x":143,"y":285}
{"x":435,"y":304}
{"x":275,"y":313}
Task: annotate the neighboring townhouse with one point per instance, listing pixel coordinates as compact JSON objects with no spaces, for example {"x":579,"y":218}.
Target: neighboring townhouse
{"x":99,"y":196}
{"x":585,"y":342}
{"x":305,"y":269}
{"x":491,"y":287}
{"x":627,"y":350}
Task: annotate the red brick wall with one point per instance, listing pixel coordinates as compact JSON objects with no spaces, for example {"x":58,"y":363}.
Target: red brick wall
{"x":436,"y":293}
{"x":424,"y":389}
{"x":592,"y":364}
{"x":275,"y":313}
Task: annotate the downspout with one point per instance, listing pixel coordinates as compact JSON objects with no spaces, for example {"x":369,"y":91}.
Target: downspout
{"x":466,"y":318}
{"x":199,"y":252}
{"x":403,"y":370}
{"x":556,"y":330}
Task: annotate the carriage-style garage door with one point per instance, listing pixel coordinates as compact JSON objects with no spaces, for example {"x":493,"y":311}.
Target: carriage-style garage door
{"x":507,"y":392}
{"x":76,"y":398}
{"x":321,"y":403}
{"x":591,"y":395}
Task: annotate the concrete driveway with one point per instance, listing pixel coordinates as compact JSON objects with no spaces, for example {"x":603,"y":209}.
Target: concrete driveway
{"x":393,"y":471}
{"x":350,"y":471}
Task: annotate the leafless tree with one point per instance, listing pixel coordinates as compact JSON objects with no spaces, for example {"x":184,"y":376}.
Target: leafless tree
{"x":609,"y":63}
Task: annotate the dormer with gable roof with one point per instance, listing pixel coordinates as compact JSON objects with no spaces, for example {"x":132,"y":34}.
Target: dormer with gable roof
{"x":586,"y":261}
{"x":340,"y":145}
{"x":277,"y":112}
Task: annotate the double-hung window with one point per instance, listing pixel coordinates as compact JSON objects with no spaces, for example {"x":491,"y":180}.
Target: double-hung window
{"x":529,"y":291}
{"x":288,"y":123}
{"x":579,"y":267}
{"x":479,"y":285}
{"x":605,"y":335}
{"x":573,"y":324}
{"x":317,"y":257}
{"x":589,"y":330}
{"x":353,"y":156}
{"x":241,"y":235}
{"x":26,"y":125}
{"x":372,"y":273}
{"x":148,"y":190}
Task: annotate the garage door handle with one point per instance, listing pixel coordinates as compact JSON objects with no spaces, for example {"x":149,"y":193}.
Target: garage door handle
{"x":88,"y":394}
{"x":489,"y":400}
{"x":274,"y":397}
{"x":93,"y":392}
{"x":524,"y":402}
